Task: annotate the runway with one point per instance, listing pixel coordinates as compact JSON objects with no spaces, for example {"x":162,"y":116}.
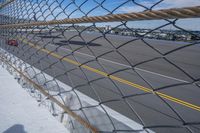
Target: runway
{"x":137,"y":66}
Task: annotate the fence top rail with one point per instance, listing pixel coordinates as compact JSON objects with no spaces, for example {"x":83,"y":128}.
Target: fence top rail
{"x":173,"y":13}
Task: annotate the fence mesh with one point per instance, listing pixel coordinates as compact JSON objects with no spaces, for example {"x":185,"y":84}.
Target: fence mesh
{"x":123,"y":76}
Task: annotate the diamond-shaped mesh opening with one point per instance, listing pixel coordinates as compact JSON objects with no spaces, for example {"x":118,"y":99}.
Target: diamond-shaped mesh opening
{"x":125,"y":75}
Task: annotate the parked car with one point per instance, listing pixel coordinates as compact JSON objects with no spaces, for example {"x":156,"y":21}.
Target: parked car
{"x":12,"y":43}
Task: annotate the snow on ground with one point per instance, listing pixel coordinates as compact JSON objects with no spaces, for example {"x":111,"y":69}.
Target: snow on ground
{"x":20,"y":113}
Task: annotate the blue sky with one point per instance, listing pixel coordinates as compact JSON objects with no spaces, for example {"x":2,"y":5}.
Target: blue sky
{"x":2,"y":1}
{"x":51,"y":9}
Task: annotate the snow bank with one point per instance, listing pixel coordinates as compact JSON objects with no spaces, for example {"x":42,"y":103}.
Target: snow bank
{"x":20,"y":113}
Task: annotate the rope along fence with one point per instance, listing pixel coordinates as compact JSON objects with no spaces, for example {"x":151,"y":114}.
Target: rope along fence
{"x":190,"y":12}
{"x":107,"y":66}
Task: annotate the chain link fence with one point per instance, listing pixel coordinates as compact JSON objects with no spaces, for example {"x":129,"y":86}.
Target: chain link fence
{"x":107,"y":66}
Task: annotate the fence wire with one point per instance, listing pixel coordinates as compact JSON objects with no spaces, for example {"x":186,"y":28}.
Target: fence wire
{"x":112,"y":77}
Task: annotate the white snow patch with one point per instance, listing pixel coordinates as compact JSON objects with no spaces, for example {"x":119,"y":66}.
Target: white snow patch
{"x":20,"y":113}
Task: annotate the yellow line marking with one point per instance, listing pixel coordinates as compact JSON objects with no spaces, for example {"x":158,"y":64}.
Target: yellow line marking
{"x":145,"y":89}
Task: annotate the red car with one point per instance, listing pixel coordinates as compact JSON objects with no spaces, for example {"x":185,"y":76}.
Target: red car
{"x":13,"y":43}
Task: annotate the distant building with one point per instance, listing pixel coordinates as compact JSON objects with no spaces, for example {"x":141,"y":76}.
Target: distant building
{"x":108,"y":27}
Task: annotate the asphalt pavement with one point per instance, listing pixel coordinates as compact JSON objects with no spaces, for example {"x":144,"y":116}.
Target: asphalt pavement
{"x":140,"y":62}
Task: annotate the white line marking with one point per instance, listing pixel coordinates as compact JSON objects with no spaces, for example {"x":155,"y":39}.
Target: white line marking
{"x":162,"y":75}
{"x":113,"y":62}
{"x":120,"y":64}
